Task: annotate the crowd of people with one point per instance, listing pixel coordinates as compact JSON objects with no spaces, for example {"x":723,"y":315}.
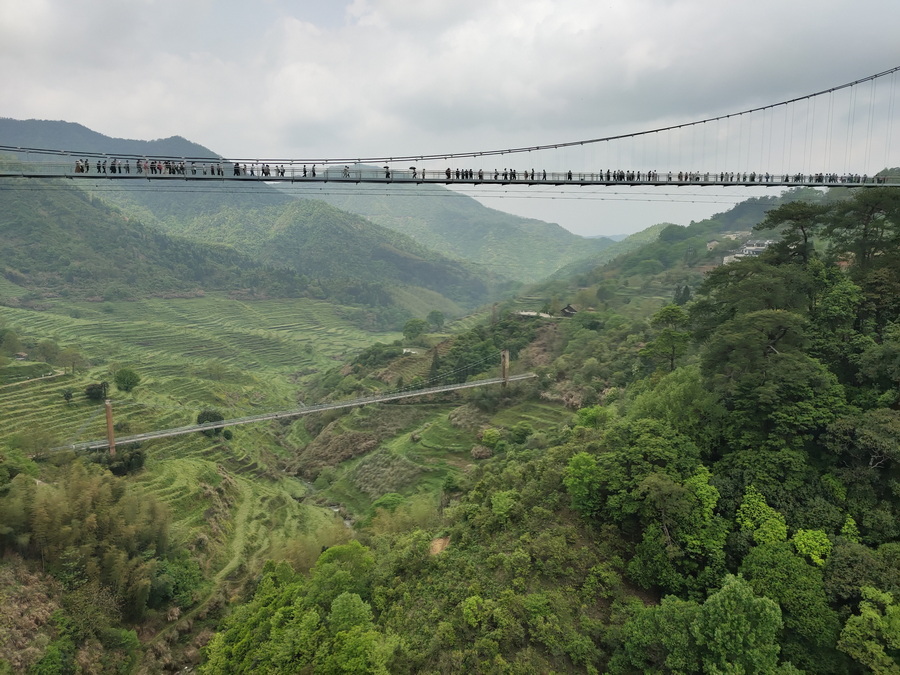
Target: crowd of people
{"x":153,"y":167}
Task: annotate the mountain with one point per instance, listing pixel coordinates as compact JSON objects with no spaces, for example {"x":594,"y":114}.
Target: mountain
{"x":460,"y":227}
{"x":337,"y":249}
{"x":73,"y":137}
{"x":57,"y":239}
{"x":322,"y":242}
{"x":440,"y":219}
{"x":627,"y":244}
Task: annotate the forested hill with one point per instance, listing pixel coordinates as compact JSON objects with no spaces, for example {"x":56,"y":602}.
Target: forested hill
{"x":458,"y":226}
{"x":442,"y":220}
{"x":724,"y":499}
{"x":56,"y":239}
{"x":73,"y":137}
{"x":325,"y":243}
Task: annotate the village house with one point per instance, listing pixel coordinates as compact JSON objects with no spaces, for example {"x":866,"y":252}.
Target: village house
{"x":750,"y":249}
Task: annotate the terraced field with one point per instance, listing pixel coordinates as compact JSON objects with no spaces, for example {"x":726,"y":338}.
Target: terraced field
{"x":228,"y":503}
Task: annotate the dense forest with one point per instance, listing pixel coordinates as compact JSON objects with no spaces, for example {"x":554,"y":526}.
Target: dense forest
{"x":731,"y":505}
{"x":721,"y":493}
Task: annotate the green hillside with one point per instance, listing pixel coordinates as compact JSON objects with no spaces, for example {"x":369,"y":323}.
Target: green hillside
{"x":324,"y":243}
{"x":721,"y":499}
{"x":460,"y":227}
{"x":56,"y":239}
{"x":73,"y":137}
{"x":702,"y":478}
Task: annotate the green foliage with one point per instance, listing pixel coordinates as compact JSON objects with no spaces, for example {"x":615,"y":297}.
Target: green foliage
{"x":127,"y":379}
{"x":414,"y":328}
{"x":88,"y":529}
{"x":97,"y":391}
{"x":491,"y":436}
{"x":208,"y":416}
{"x":582,"y":481}
{"x":389,"y":501}
{"x":594,"y":417}
{"x":850,"y":531}
{"x":379,"y":354}
{"x":733,"y":631}
{"x":671,"y":342}
{"x":872,"y":637}
{"x":504,"y":503}
{"x":767,"y":525}
{"x":340,"y":569}
{"x":811,"y":626}
{"x":178,"y":579}
{"x":812,"y":543}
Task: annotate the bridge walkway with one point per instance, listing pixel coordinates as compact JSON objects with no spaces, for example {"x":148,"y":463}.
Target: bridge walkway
{"x":298,"y":412}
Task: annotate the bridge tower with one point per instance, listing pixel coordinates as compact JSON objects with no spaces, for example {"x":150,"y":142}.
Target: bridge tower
{"x":110,"y":436}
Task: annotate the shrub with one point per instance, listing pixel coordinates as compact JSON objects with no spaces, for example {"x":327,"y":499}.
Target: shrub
{"x":97,"y":391}
{"x":127,"y":379}
{"x":208,"y":416}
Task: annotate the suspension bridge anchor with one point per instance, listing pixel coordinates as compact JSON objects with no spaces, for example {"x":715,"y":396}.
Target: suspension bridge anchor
{"x":110,"y":436}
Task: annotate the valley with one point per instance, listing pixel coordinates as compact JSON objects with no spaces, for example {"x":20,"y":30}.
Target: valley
{"x":701,"y":475}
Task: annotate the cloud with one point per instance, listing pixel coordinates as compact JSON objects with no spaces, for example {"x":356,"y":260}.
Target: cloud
{"x":280,"y":78}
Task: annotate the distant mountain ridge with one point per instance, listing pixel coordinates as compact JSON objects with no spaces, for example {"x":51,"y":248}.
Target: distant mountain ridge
{"x":459,"y":226}
{"x":61,"y":241}
{"x":73,"y":137}
{"x":344,"y":255}
{"x":450,"y":223}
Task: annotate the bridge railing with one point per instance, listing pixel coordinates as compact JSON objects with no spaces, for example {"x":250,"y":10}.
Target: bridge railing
{"x":168,"y":169}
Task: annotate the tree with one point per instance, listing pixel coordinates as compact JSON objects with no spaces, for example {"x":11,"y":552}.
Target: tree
{"x":682,"y":295}
{"x":209,"y":416}
{"x":865,"y":227}
{"x":749,"y":285}
{"x":777,"y":396}
{"x":71,"y":358}
{"x":46,"y":350}
{"x":436,"y":319}
{"x":871,"y":438}
{"x":755,"y":516}
{"x":582,"y":481}
{"x":672,"y":340}
{"x":872,"y":637}
{"x":800,"y":220}
{"x":810,"y":626}
{"x":737,"y":631}
{"x":414,"y":328}
{"x":127,"y":379}
{"x":812,"y":543}
{"x":435,"y":369}
{"x":347,"y":611}
{"x":9,"y":342}
{"x":733,"y":631}
{"x":97,"y":391}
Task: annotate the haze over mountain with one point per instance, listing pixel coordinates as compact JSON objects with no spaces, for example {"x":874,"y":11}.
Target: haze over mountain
{"x":461,"y":227}
{"x":58,"y":240}
{"x":454,"y":225}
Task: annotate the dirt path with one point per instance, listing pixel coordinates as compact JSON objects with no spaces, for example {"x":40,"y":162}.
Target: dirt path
{"x":439,"y":544}
{"x":55,"y":373}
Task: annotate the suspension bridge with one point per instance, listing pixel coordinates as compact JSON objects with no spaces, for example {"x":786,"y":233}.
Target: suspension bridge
{"x":111,"y":442}
{"x":841,"y":136}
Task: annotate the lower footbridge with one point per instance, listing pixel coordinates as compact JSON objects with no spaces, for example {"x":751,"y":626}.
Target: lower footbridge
{"x":297,"y":412}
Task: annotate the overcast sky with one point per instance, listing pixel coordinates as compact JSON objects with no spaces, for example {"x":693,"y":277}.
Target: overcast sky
{"x":318,"y":78}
